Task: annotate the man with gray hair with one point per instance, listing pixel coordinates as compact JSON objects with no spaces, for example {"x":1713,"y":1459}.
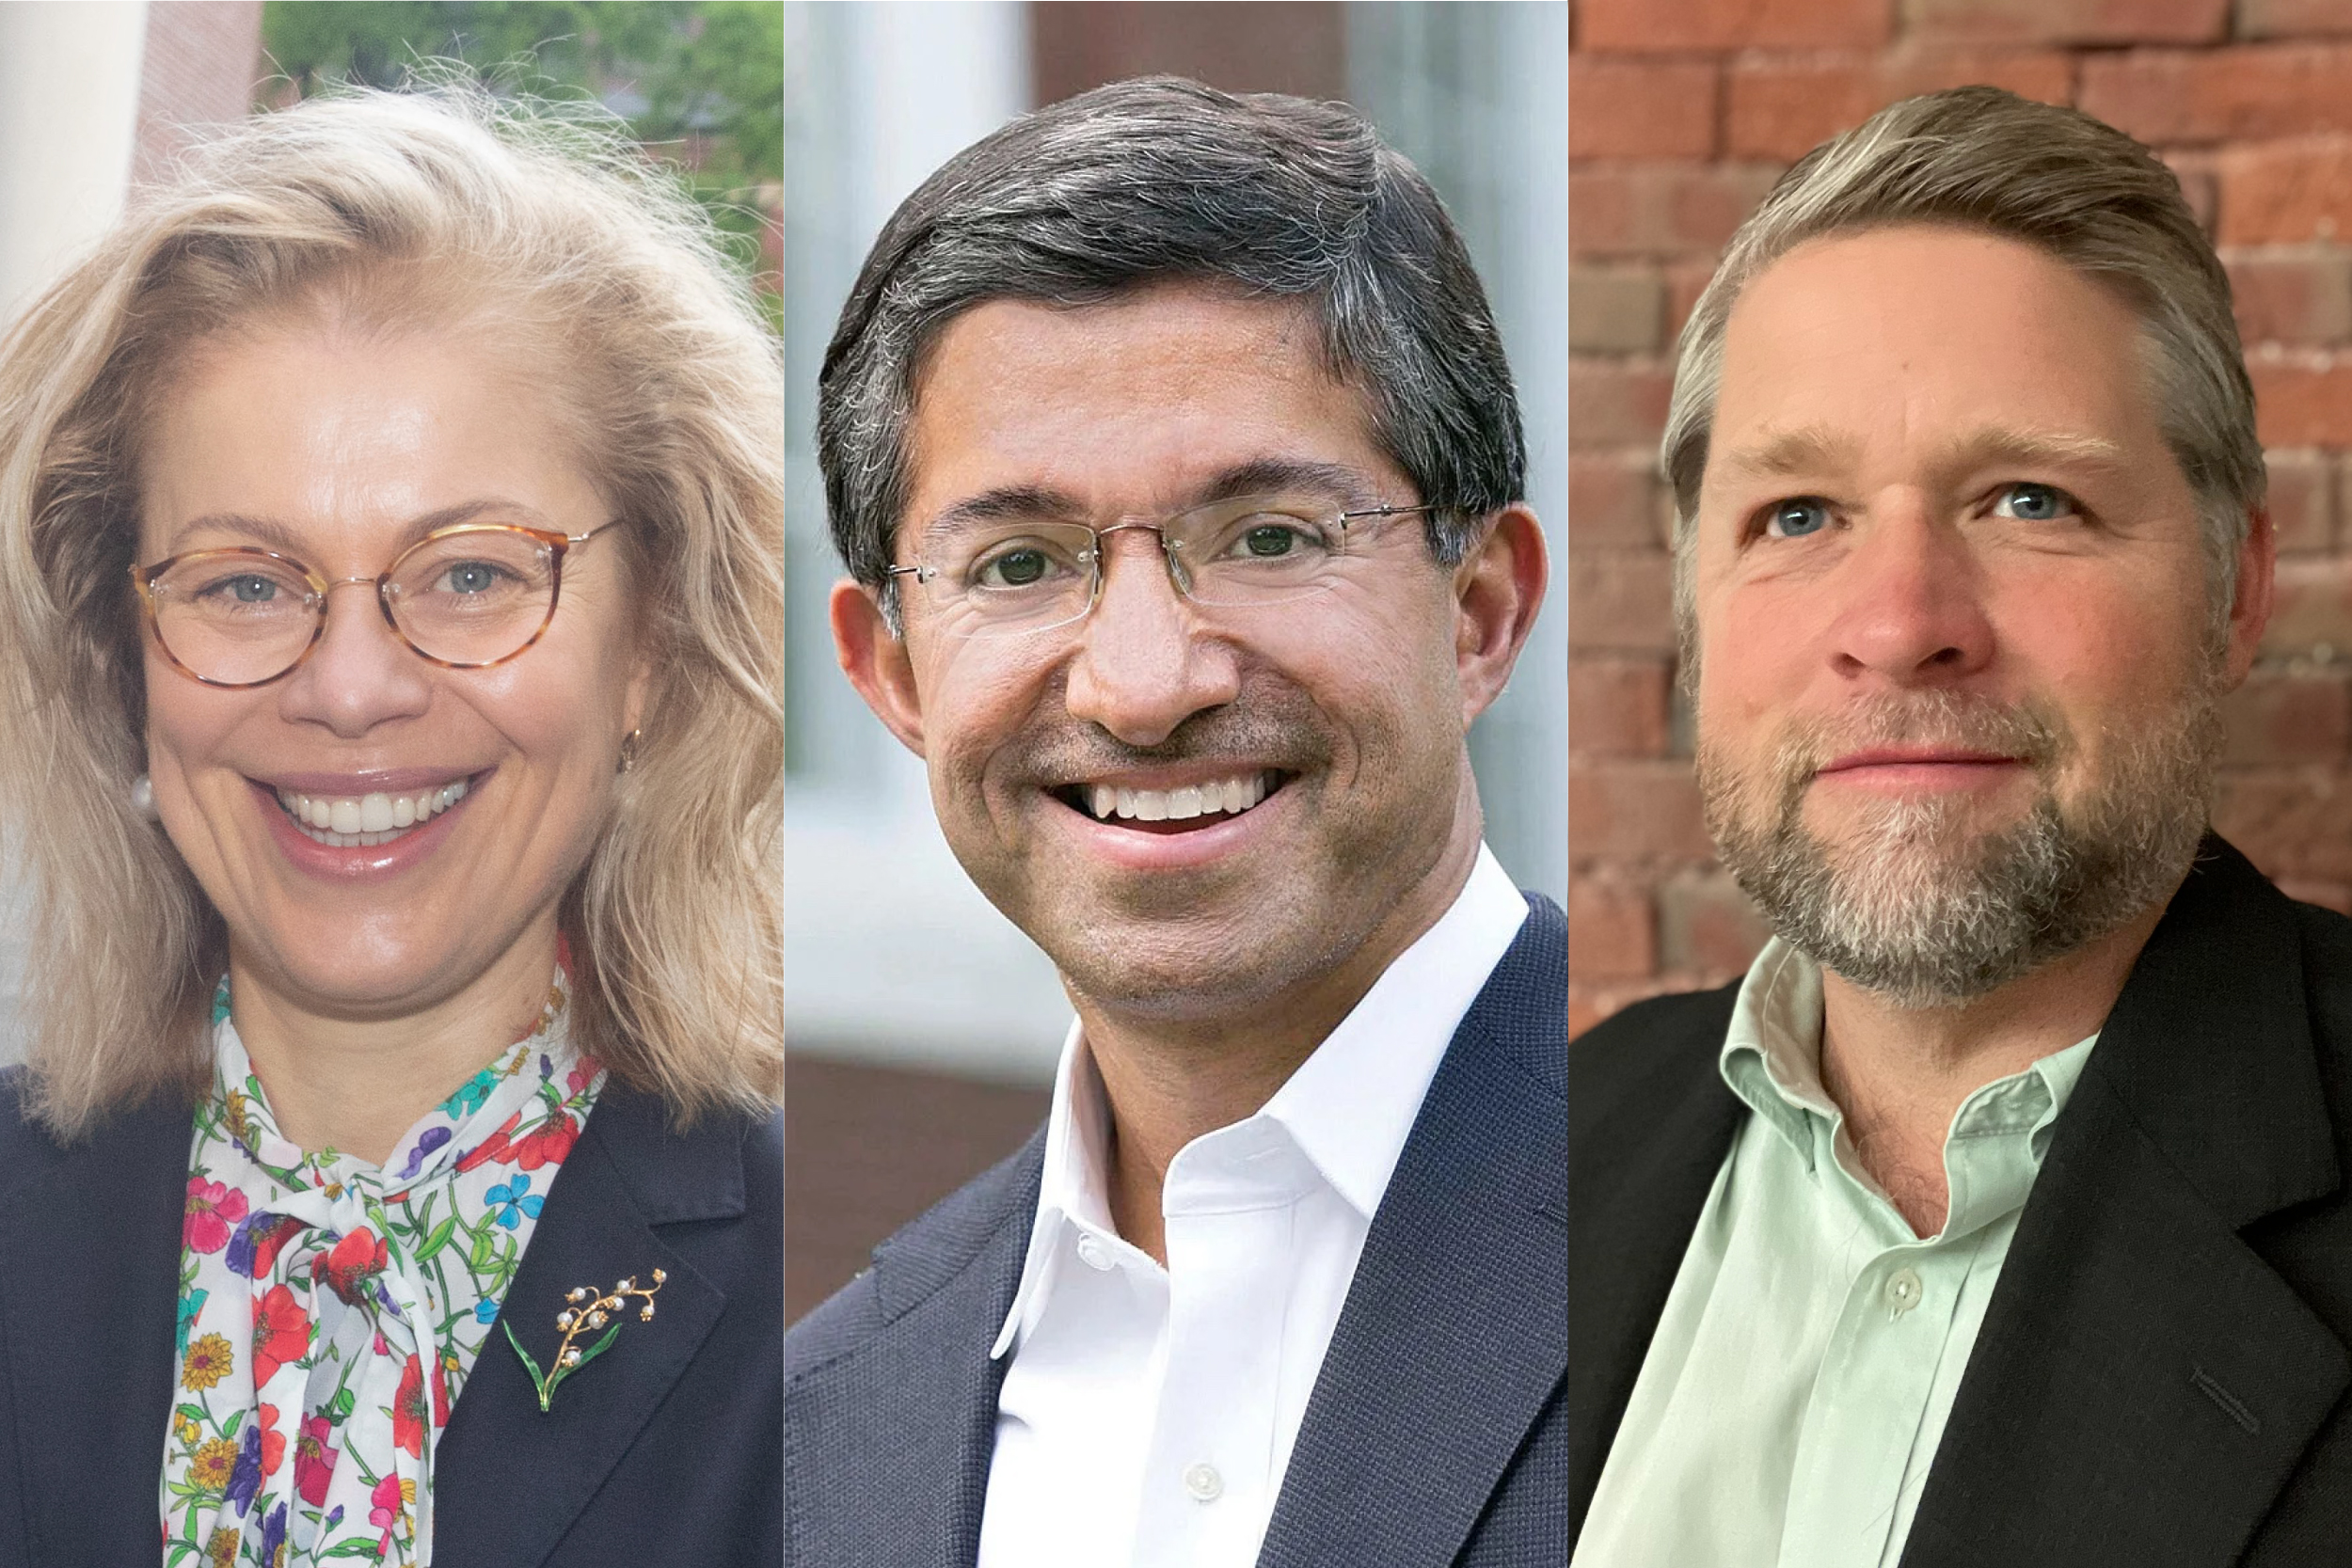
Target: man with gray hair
{"x":1998,"y":1215}
{"x":1173,"y":454}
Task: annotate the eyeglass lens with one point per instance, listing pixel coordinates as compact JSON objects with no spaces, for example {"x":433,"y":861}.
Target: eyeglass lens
{"x":1019,"y":575}
{"x":473,"y":597}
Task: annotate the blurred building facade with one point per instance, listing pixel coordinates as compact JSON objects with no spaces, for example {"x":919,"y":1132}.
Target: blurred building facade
{"x":923,"y":1025}
{"x":92,"y":98}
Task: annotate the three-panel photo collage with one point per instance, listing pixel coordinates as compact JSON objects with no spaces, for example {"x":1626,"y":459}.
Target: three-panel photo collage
{"x":1205,"y":783}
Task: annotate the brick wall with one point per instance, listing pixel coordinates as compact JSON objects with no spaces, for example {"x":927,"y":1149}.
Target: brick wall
{"x":1681,"y":113}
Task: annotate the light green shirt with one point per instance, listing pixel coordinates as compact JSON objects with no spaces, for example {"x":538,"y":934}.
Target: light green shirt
{"x":1802,"y":1372}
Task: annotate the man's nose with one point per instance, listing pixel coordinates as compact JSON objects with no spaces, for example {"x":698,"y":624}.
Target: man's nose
{"x":1909,"y":598}
{"x":1143,"y":664}
{"x":362,"y":672}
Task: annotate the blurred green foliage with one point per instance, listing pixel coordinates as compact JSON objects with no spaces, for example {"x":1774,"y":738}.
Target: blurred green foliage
{"x":701,"y":82}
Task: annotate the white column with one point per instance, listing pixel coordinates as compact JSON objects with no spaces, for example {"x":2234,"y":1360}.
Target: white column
{"x":69,"y":108}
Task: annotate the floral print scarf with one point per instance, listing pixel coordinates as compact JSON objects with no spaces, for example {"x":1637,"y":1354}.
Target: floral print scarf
{"x":330,"y":1309}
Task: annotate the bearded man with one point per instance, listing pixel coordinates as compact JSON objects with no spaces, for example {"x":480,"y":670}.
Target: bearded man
{"x":1997,"y":1215}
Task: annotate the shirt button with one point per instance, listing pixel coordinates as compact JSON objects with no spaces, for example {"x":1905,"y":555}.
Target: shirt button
{"x":1903,"y":1292}
{"x":1204,"y":1483}
{"x":1093,"y":1254}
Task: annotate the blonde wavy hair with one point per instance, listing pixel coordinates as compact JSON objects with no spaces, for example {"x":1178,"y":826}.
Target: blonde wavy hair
{"x":422,"y":208}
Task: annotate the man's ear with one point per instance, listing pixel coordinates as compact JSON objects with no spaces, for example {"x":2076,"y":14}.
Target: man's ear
{"x":875,"y":660}
{"x":1497,"y":591}
{"x":2257,"y":588}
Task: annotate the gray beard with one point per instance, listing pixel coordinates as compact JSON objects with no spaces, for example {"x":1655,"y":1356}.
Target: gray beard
{"x":1914,"y":905}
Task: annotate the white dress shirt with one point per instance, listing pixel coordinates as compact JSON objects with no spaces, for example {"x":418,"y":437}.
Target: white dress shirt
{"x":1148,"y":1414}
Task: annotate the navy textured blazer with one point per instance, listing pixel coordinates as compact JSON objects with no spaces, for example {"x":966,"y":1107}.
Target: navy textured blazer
{"x":1434,"y":1437}
{"x":667,"y":1450}
{"x":2161,"y":1377}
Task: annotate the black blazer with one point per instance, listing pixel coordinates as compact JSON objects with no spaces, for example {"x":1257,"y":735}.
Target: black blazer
{"x":668,"y":1451}
{"x":1434,"y":1435}
{"x":2160,"y":1378}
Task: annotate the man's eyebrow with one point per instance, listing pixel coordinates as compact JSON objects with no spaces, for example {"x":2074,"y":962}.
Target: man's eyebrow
{"x":278,"y":536}
{"x":1999,"y":446}
{"x":1258,"y":476}
{"x":1811,"y":450}
{"x":1807,"y":449}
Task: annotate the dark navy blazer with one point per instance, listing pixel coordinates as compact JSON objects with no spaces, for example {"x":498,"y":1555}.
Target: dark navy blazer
{"x":2161,"y":1380}
{"x":668,"y":1450}
{"x":1434,"y":1437}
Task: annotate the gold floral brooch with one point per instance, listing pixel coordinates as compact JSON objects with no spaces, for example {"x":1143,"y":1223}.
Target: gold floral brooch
{"x":585,"y":1316}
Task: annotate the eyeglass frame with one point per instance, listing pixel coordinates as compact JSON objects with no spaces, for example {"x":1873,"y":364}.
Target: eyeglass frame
{"x":924,"y":573}
{"x":559,"y":545}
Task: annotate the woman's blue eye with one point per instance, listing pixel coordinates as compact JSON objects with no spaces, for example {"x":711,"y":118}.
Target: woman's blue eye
{"x":1795,"y":519}
{"x":2034,"y":503}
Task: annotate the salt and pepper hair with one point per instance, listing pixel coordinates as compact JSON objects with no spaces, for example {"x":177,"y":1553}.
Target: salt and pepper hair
{"x":1984,"y":159}
{"x":1159,"y":179}
{"x":531,"y":228}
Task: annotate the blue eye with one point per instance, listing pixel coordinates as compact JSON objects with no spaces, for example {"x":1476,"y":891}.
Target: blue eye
{"x":2035,"y":503}
{"x":1796,"y":518}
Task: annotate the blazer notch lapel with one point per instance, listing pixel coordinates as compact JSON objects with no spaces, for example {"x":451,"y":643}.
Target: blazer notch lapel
{"x":889,"y":1444}
{"x":1454,"y":1334}
{"x":1651,"y":1121}
{"x":2142,"y":1385}
{"x":510,"y":1479}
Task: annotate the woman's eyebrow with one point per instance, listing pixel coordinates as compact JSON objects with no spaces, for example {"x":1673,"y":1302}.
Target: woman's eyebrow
{"x":278,"y":536}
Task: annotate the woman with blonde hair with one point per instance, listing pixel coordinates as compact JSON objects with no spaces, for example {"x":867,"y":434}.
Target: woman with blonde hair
{"x":389,"y":629}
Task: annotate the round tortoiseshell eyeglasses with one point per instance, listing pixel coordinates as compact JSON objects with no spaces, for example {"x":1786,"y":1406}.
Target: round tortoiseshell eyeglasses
{"x":465,"y":597}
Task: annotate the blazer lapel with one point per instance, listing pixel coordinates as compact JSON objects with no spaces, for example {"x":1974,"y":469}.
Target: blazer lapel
{"x":91,"y":1235}
{"x":905,"y":1425}
{"x":1650,"y":1122}
{"x":2144,"y":1383}
{"x":1454,"y":1333}
{"x":509,"y":1480}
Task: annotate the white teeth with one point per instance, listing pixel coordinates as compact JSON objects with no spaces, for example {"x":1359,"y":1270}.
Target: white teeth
{"x":357,"y":821}
{"x":1234,"y":796}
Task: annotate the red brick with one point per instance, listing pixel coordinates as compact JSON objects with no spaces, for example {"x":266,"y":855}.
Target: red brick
{"x":2302,"y":501}
{"x":2283,"y":717}
{"x":1616,"y":405}
{"x":2311,"y":617}
{"x":1661,"y":210}
{"x":1663,"y":26}
{"x":2070,"y":21}
{"x":1611,"y":930}
{"x":1685,"y":282}
{"x":1706,"y":925}
{"x":2199,"y":185}
{"x":2293,"y":823}
{"x":2270,"y":19}
{"x":2212,"y":95}
{"x":1617,"y":707}
{"x":2301,"y":400}
{"x":1641,"y":109}
{"x":1615,"y":501}
{"x":1621,"y":600}
{"x":1615,"y":307}
{"x":1782,"y":108}
{"x":2281,"y":193}
{"x":1635,"y":811}
{"x":2303,"y":295}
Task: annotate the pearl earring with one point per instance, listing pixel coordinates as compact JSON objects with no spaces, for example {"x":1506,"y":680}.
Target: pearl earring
{"x":143,"y":797}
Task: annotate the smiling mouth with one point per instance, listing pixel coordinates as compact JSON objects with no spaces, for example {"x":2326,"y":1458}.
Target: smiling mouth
{"x":1181,"y":810}
{"x":364,"y":821}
